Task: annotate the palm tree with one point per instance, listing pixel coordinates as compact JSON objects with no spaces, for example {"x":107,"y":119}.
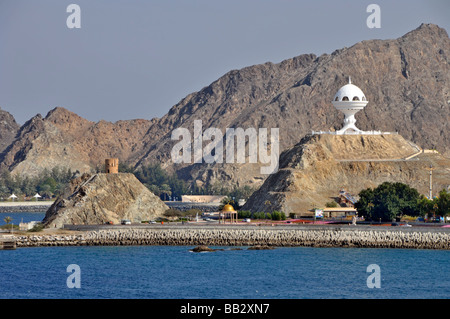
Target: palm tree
{"x":7,"y":220}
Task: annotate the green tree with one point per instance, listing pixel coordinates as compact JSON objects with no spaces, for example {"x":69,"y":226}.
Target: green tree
{"x":331,"y":204}
{"x":388,"y":201}
{"x":8,"y":220}
{"x":443,"y":203}
{"x":277,"y":215}
{"x":165,"y":191}
{"x":172,"y":212}
{"x":244,"y":214}
{"x":160,"y":182}
{"x":425,"y":206}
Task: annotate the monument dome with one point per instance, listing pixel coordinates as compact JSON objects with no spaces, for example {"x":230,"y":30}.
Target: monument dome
{"x":349,"y":99}
{"x":350,"y":92}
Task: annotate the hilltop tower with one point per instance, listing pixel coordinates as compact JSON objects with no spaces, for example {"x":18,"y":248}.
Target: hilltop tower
{"x":112,"y":166}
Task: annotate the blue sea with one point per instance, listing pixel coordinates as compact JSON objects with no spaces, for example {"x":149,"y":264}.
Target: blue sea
{"x":21,"y":217}
{"x":174,"y":272}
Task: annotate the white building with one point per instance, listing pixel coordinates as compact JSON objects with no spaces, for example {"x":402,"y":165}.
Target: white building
{"x":350,"y":99}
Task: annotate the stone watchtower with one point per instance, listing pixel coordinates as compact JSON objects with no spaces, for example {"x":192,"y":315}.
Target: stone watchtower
{"x":112,"y":166}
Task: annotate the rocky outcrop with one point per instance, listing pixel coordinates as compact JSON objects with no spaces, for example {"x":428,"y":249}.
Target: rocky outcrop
{"x":101,"y":198}
{"x":314,"y":171}
{"x":202,"y":248}
{"x":8,"y":129}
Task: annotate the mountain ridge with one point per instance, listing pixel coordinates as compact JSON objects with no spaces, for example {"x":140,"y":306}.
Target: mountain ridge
{"x":406,"y":81}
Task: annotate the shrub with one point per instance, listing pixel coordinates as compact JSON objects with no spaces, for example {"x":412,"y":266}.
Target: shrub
{"x":276,"y":215}
{"x":172,"y":212}
{"x":36,"y":228}
{"x":331,"y":204}
{"x":259,"y":215}
{"x":244,"y":214}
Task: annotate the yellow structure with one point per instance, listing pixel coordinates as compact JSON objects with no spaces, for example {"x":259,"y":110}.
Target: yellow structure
{"x":112,"y":165}
{"x":228,"y":212}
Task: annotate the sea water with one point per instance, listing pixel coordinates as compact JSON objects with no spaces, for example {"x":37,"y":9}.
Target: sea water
{"x":25,"y":217}
{"x":174,"y":272}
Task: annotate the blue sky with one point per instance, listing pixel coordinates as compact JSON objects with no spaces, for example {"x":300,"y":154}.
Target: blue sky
{"x":136,"y":59}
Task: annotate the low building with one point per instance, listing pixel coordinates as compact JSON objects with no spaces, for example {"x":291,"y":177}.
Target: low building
{"x":27,"y":226}
{"x":339,"y":212}
{"x":347,"y":199}
{"x":202,"y":198}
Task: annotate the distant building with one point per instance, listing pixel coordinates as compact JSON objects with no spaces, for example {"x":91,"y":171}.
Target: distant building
{"x":346,"y":199}
{"x":339,"y":211}
{"x":202,"y":198}
{"x":350,"y":99}
{"x":27,"y":226}
{"x":112,"y":166}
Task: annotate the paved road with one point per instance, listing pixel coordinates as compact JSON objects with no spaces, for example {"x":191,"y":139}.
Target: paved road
{"x":215,"y":225}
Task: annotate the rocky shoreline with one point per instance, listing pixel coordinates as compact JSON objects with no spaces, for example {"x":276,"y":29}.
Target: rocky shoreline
{"x":245,"y":237}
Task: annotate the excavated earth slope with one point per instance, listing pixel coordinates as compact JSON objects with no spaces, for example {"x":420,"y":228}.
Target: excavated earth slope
{"x":314,"y":171}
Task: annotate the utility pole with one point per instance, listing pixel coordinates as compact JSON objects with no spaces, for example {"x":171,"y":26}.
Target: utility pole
{"x":431,"y":181}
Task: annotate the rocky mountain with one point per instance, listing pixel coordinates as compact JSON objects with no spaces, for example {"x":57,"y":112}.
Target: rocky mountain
{"x":314,"y":171}
{"x":65,"y":139}
{"x":8,"y":129}
{"x":101,"y":198}
{"x":405,"y":80}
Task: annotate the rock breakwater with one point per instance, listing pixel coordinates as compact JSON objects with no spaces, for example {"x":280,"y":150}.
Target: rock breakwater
{"x":188,"y":236}
{"x":24,"y":208}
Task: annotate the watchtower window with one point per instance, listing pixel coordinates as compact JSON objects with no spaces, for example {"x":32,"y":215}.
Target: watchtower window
{"x":336,"y":99}
{"x":345,"y":98}
{"x":363,"y":98}
{"x":355,"y":98}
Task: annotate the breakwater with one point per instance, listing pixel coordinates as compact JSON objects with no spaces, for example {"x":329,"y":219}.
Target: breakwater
{"x":21,"y":207}
{"x":249,"y":236}
{"x":184,"y":206}
{"x":36,"y":207}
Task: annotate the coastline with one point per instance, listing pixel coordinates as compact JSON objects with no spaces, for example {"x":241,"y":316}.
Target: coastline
{"x":278,"y":236}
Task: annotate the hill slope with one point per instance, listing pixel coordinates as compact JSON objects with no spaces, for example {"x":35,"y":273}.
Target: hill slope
{"x":102,"y":198}
{"x":314,"y":171}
